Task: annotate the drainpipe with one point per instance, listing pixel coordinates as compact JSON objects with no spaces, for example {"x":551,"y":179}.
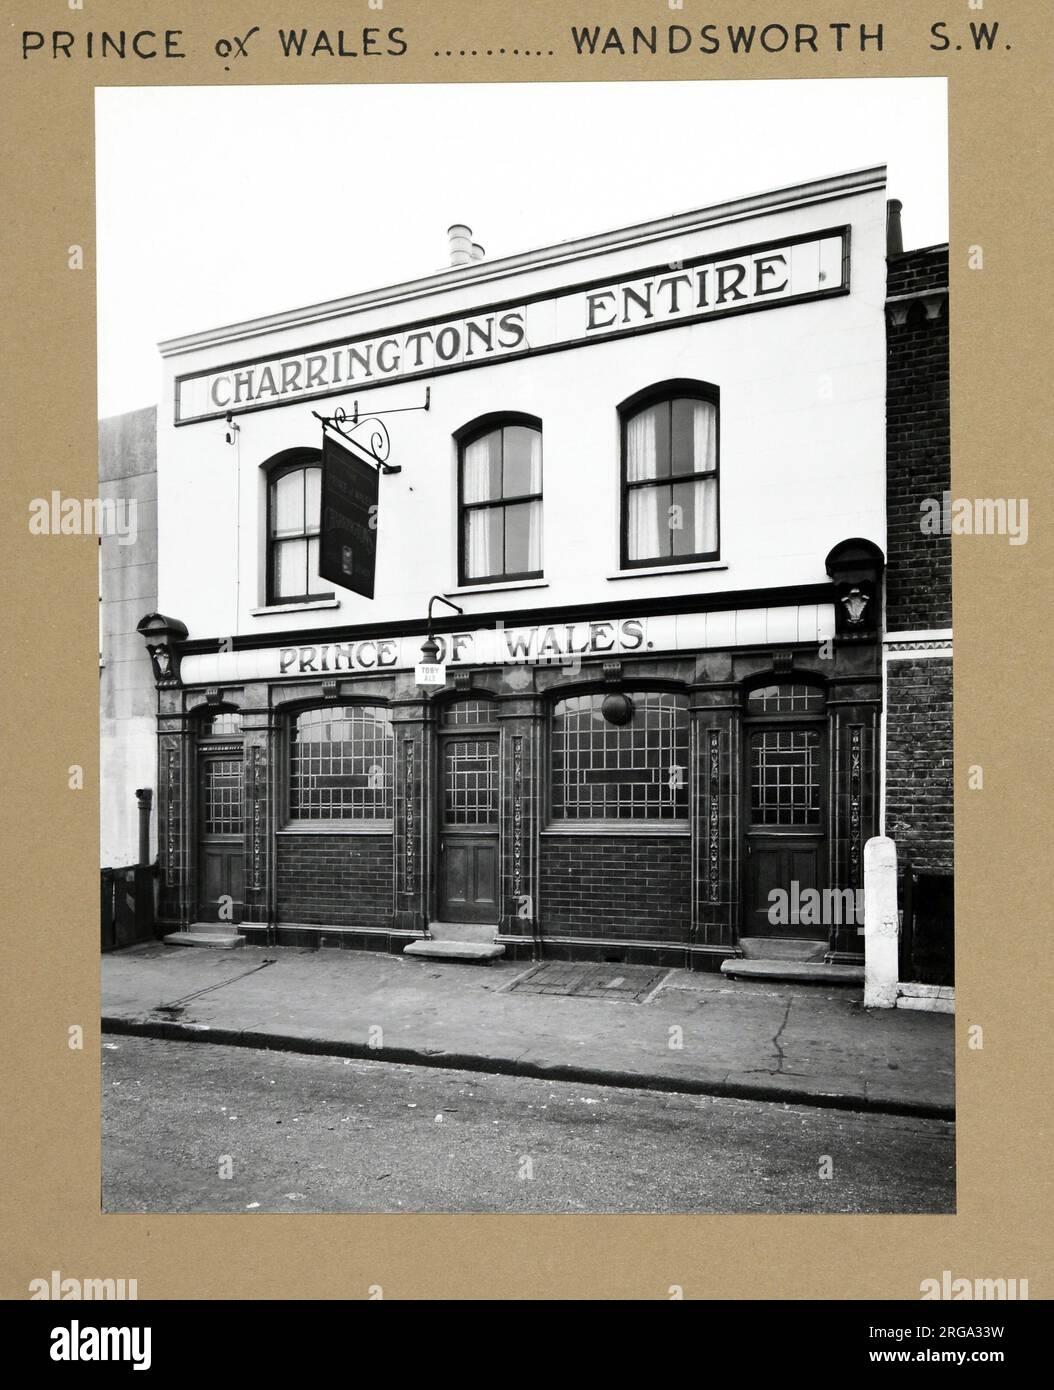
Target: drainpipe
{"x":144,"y":797}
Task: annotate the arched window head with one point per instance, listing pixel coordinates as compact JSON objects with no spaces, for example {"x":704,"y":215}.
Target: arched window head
{"x":465,"y":713}
{"x":226,"y":723}
{"x":500,"y":489}
{"x":785,"y":697}
{"x":294,"y":488}
{"x":669,"y":475}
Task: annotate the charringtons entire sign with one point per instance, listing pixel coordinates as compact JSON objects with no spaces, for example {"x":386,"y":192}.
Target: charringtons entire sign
{"x":552,"y":644}
{"x":680,"y":292}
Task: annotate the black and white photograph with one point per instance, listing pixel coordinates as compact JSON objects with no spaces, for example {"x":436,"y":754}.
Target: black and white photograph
{"x":525,"y":647}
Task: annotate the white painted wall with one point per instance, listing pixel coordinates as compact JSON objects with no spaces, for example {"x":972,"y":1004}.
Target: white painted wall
{"x":802,"y":439}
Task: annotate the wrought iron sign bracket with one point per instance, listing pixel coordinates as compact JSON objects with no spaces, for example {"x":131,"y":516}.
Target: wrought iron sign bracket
{"x":368,"y":433}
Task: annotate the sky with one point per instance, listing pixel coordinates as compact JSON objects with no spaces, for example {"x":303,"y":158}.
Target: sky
{"x":220,"y":204}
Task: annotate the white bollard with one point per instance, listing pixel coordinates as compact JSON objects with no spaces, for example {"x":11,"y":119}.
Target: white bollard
{"x":881,"y":926}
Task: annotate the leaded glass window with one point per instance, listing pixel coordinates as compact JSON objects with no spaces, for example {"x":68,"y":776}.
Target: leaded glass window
{"x":468,"y":712}
{"x":788,"y":698}
{"x":633,"y":771}
{"x":222,"y":724}
{"x":785,"y":778}
{"x":341,"y":764}
{"x":470,"y":781}
{"x":221,"y":801}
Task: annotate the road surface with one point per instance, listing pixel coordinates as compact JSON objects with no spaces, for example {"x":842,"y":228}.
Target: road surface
{"x":194,"y":1127}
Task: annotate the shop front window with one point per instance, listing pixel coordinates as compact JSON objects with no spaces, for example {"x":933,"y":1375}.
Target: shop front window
{"x":341,"y":765}
{"x":669,"y":477}
{"x":620,"y":758}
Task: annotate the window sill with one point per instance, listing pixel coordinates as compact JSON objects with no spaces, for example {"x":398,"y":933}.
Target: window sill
{"x":649,"y":572}
{"x":502,"y":586}
{"x":267,"y":611}
{"x":337,"y":828}
{"x":626,"y":829}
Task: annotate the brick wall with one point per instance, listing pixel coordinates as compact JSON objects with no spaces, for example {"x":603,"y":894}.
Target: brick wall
{"x":918,"y":458}
{"x":919,"y":761}
{"x":635,"y":886}
{"x":335,"y":880}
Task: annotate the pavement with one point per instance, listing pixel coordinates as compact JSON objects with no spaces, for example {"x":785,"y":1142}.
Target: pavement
{"x":694,"y":1033}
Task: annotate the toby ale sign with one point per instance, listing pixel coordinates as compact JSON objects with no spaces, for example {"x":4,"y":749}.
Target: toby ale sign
{"x":347,"y":549}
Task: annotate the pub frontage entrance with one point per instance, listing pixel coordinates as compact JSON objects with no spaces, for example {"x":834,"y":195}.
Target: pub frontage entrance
{"x":221,"y":820}
{"x":468,"y":814}
{"x":785,"y":806}
{"x":644,"y":805}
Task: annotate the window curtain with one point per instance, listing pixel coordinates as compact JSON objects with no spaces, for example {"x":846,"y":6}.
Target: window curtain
{"x":704,"y":442}
{"x":536,"y":460}
{"x":534,"y":535}
{"x":528,"y":550}
{"x":482,"y":538}
{"x":642,"y":462}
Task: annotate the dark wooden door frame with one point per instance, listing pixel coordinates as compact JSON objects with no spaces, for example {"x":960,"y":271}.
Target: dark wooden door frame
{"x":206,"y":749}
{"x":443,"y":735}
{"x":755,"y":724}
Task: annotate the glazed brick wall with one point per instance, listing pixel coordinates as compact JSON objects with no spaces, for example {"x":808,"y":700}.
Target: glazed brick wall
{"x":335,"y":880}
{"x":919,"y":783}
{"x":918,"y":454}
{"x":634,"y":886}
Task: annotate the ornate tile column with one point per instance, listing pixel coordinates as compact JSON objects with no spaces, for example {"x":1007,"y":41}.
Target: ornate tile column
{"x":262,"y":742}
{"x":412,"y":721}
{"x":715,"y":764}
{"x":522,"y":783}
{"x":174,"y":811}
{"x":854,"y":703}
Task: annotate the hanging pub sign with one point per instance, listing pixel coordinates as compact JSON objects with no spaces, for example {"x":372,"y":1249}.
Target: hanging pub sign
{"x":347,"y":551}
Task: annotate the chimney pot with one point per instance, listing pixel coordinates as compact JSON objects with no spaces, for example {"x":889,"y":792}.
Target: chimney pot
{"x":478,"y":252}
{"x":460,"y":244}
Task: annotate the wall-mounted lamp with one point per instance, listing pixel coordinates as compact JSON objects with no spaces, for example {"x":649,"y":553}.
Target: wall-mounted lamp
{"x":430,"y":651}
{"x":232,"y":428}
{"x":430,"y":647}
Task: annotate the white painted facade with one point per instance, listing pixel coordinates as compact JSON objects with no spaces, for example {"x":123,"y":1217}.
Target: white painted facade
{"x":802,"y":421}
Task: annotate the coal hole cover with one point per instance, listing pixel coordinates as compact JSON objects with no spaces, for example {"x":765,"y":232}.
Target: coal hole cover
{"x":629,"y":983}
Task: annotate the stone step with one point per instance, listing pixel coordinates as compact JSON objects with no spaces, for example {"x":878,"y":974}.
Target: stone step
{"x":454,"y":950}
{"x":782,"y":948}
{"x":464,"y":931}
{"x":794,"y":972}
{"x":219,"y":935}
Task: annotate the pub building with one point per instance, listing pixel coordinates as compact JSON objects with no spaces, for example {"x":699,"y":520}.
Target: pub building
{"x":608,"y":667}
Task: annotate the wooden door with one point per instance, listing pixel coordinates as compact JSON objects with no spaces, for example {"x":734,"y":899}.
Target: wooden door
{"x":785,"y":837}
{"x":221,"y":842}
{"x":468,"y":828}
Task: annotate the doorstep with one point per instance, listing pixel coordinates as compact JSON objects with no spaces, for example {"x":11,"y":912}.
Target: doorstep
{"x":215,"y":934}
{"x":794,"y":972}
{"x":782,"y":948}
{"x":454,"y":950}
